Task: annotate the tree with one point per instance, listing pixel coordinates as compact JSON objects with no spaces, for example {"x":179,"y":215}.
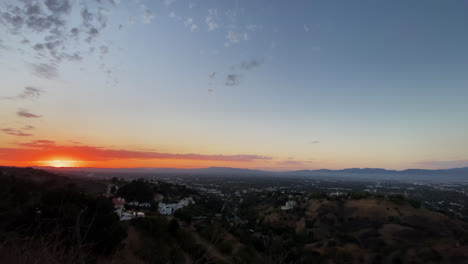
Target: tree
{"x":136,"y":191}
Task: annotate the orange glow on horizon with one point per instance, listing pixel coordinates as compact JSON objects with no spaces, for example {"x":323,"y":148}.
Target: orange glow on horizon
{"x":61,"y":163}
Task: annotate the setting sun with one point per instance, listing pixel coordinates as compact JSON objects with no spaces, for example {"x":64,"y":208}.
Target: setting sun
{"x":62,"y":163}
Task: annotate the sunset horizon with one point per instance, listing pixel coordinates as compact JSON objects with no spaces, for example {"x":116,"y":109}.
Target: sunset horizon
{"x":233,"y":131}
{"x":192,"y":85}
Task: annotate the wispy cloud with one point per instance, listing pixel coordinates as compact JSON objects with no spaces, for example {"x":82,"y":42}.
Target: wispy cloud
{"x":251,"y":64}
{"x":253,"y":27}
{"x":169,"y":2}
{"x":233,"y":37}
{"x":30,"y":93}
{"x":27,"y":114}
{"x":147,"y":16}
{"x":294,"y":163}
{"x":37,"y":150}
{"x":15,"y":132}
{"x":210,"y":19}
{"x":232,"y":79}
{"x":27,"y":93}
{"x":44,"y":70}
{"x":190,"y":24}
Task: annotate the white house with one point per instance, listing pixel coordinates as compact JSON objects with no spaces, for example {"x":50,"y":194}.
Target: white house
{"x":186,"y":201}
{"x":169,"y":209}
{"x":289,"y":205}
{"x":119,"y":204}
{"x":136,"y":203}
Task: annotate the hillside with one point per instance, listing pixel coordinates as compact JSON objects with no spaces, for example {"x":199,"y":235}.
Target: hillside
{"x":47,"y":218}
{"x":371,"y":231}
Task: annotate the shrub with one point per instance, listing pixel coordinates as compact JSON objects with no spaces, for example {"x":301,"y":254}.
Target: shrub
{"x":225,"y":247}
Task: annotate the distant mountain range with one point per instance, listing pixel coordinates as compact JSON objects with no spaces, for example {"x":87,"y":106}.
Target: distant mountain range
{"x":443,"y":175}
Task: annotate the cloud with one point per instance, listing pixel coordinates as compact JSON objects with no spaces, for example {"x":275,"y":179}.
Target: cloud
{"x":210,"y":90}
{"x":251,"y":64}
{"x":42,"y":143}
{"x":315,"y":142}
{"x":104,"y":49}
{"x":102,"y":16}
{"x":27,"y":93}
{"x":190,"y":24}
{"x":28,"y":128}
{"x":233,"y":37}
{"x":86,"y":16}
{"x":169,"y":2}
{"x":15,"y":132}
{"x":26,"y":113}
{"x":253,"y":27}
{"x":44,"y":70}
{"x":30,"y":93}
{"x":58,"y":6}
{"x":232,"y":79}
{"x":40,"y":149}
{"x":306,"y":28}
{"x":53,"y":21}
{"x":93,"y":32}
{"x":212,"y":75}
{"x":147,"y":16}
{"x":1,"y":44}
{"x":210,"y":19}
{"x":294,"y":163}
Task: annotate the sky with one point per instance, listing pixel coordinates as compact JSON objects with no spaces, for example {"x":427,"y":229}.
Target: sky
{"x":273,"y":85}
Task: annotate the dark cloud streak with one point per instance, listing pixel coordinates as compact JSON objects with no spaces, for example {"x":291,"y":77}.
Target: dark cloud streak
{"x":27,"y":114}
{"x":27,"y":93}
{"x":15,"y":132}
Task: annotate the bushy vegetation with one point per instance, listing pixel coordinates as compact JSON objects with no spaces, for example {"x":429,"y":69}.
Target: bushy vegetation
{"x":137,"y":190}
{"x":60,"y":221}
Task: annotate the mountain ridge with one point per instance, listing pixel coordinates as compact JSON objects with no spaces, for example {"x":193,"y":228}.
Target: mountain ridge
{"x":441,"y":175}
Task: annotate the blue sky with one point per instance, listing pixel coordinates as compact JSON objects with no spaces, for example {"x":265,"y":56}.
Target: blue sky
{"x":308,"y":84}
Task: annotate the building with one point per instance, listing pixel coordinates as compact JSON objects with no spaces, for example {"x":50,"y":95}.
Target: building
{"x":167,"y":209}
{"x":138,"y":204}
{"x":119,"y":204}
{"x":170,"y":208}
{"x":289,"y":205}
